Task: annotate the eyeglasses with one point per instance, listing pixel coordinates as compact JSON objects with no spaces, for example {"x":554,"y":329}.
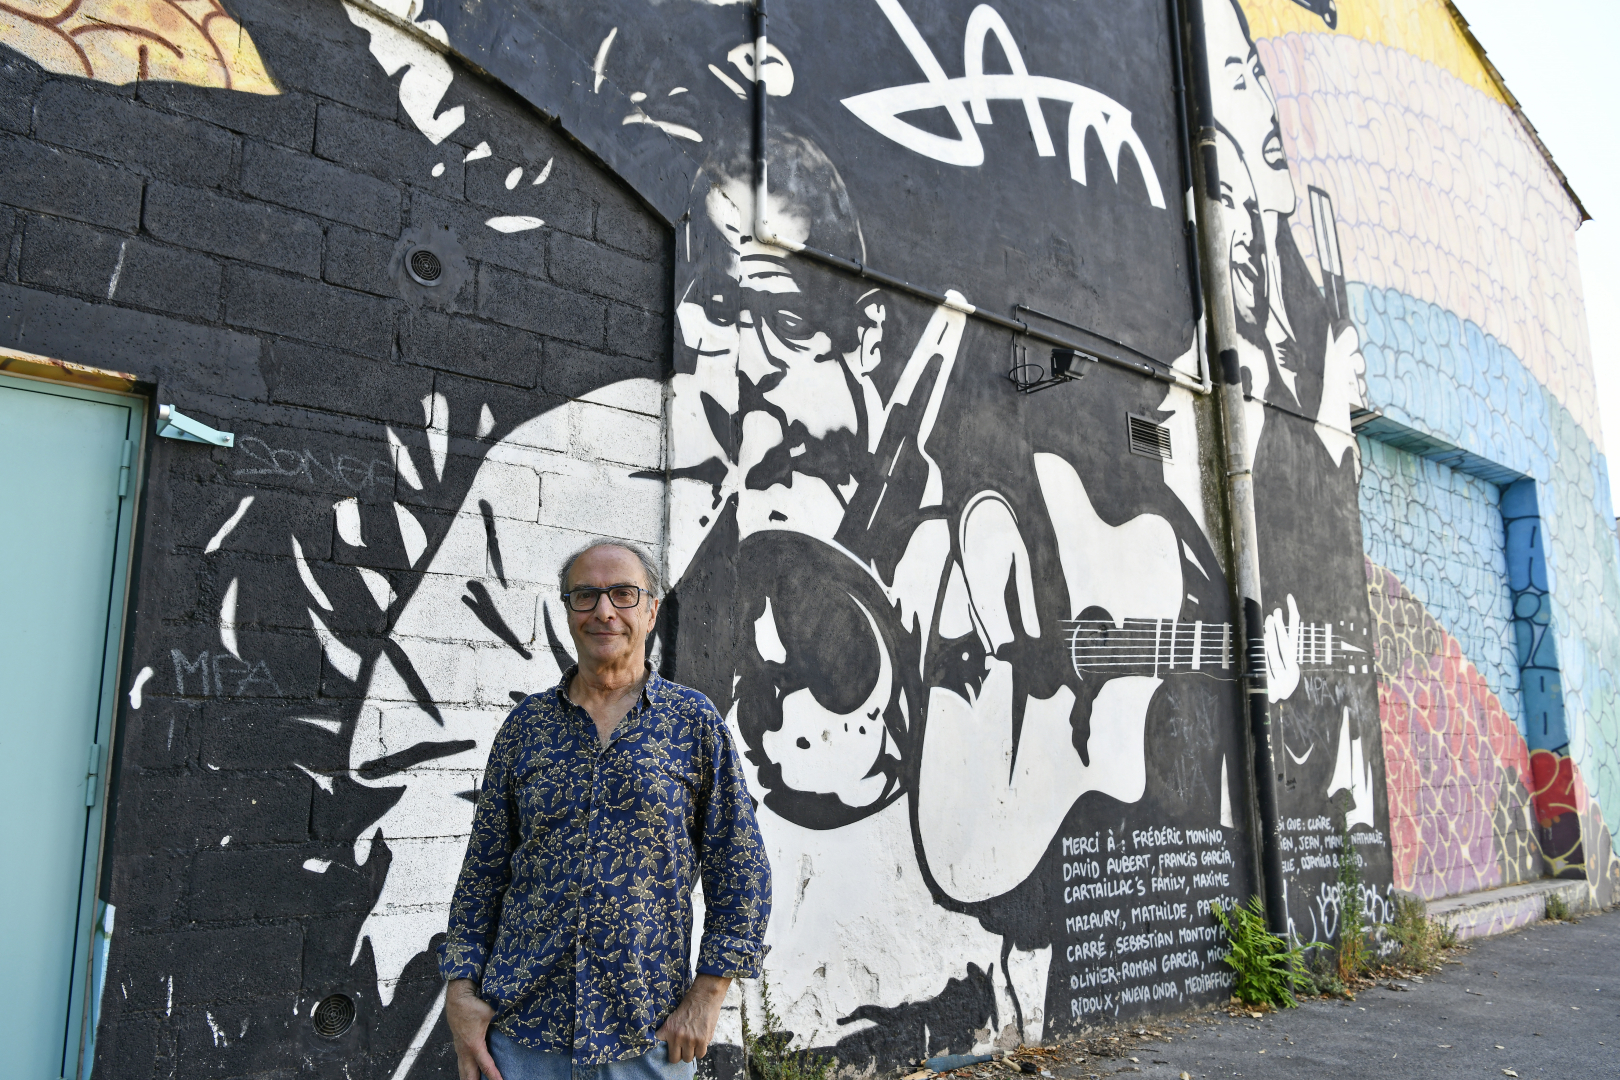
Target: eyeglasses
{"x":584,"y":598}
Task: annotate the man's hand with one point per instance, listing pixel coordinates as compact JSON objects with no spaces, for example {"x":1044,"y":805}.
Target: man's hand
{"x":469,"y":1016}
{"x":690,"y":1027}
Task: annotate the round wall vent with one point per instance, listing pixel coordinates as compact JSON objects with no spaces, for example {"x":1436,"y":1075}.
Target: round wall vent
{"x":334,"y":1015}
{"x":424,"y":267}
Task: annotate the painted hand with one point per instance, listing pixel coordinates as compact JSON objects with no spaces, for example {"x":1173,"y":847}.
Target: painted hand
{"x":1282,"y":652}
{"x":469,"y":1016}
{"x":689,"y":1028}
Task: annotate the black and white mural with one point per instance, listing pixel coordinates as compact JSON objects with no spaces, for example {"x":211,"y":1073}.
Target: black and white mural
{"x":1301,"y":370}
{"x":979,"y":655}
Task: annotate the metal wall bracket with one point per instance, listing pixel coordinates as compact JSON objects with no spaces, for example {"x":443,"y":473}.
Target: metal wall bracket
{"x":176,"y":425}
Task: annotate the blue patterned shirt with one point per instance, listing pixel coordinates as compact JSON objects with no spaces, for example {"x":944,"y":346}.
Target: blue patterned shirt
{"x":573,"y":911}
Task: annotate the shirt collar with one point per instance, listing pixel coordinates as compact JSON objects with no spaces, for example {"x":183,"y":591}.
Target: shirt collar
{"x":652,"y":693}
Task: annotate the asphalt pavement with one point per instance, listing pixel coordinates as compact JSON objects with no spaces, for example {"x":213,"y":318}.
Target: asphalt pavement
{"x":1539,"y":1004}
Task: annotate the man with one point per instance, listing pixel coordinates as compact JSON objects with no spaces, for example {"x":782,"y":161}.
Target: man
{"x":604,"y":798}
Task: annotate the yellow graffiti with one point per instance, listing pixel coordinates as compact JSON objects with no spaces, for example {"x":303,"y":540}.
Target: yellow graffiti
{"x":120,"y":41}
{"x":1425,"y":28}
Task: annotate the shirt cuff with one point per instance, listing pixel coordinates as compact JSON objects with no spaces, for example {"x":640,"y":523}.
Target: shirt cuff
{"x":730,"y":957}
{"x":460,"y":960}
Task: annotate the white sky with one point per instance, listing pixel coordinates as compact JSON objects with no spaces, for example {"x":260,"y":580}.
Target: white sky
{"x":1557,"y":56}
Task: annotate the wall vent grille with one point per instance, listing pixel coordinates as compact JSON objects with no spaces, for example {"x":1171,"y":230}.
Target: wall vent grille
{"x":1148,"y":438}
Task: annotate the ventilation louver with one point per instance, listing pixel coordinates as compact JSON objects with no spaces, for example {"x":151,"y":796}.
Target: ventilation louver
{"x":333,"y":1016}
{"x":1148,"y":438}
{"x":425,"y":267}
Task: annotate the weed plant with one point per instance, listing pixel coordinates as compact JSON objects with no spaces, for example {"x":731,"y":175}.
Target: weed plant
{"x":1421,"y":941}
{"x":1266,"y":968}
{"x":768,"y":1054}
{"x":1353,"y":948}
{"x":1558,"y":909}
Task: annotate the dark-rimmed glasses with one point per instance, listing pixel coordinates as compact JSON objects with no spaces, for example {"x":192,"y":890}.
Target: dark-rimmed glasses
{"x":584,"y":598}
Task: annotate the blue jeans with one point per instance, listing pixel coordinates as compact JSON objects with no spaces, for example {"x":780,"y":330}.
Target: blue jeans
{"x":518,"y":1062}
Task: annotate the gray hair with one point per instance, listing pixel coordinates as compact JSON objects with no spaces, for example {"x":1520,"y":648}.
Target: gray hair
{"x":649,"y":568}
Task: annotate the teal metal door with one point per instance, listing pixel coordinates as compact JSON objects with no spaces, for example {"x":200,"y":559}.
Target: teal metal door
{"x":66,"y":464}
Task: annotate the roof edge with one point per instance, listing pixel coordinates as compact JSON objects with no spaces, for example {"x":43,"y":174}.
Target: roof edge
{"x":1518,"y":111}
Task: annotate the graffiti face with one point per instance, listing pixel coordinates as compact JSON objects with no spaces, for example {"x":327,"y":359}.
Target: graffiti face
{"x":1245,"y":104}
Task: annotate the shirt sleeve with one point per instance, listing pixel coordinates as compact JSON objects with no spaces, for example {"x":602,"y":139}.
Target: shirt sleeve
{"x":486,"y":871}
{"x":736,"y":871}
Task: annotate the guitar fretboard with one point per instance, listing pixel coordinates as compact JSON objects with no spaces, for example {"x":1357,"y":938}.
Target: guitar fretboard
{"x":1149,"y":646}
{"x":1161,"y":646}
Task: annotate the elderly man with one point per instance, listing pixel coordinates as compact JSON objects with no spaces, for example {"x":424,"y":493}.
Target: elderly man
{"x":604,"y":799}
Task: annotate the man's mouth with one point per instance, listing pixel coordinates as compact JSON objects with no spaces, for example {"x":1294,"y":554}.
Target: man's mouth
{"x":1272,"y":150}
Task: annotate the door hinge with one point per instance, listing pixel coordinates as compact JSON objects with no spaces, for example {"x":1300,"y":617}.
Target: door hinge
{"x":123,"y":468}
{"x":92,"y":775}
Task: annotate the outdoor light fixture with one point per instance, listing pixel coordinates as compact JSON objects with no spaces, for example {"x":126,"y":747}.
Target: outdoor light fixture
{"x":1028,"y":377}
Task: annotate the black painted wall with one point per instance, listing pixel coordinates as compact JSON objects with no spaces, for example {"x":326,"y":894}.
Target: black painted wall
{"x":252,"y":238}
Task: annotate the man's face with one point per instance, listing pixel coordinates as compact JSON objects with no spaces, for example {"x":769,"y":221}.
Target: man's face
{"x":774,"y":340}
{"x":1245,"y":106}
{"x":607,"y":636}
{"x":1238,"y":211}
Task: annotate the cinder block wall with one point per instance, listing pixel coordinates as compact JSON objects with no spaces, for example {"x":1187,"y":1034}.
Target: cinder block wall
{"x":233,"y":252}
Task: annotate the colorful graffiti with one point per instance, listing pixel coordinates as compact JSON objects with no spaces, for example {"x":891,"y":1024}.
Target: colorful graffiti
{"x":122,"y":41}
{"x":1459,"y":771}
{"x":1455,"y":239}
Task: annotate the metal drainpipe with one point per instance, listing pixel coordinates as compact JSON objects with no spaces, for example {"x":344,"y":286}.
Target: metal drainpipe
{"x":1239,"y":477}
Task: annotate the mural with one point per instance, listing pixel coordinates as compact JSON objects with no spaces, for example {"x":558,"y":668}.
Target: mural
{"x":121,"y":41}
{"x":979,"y":655}
{"x":1454,"y":249}
{"x":1300,"y":366}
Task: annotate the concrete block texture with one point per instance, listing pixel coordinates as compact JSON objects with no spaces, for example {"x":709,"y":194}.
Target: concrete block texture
{"x":235,"y":228}
{"x":339,"y":610}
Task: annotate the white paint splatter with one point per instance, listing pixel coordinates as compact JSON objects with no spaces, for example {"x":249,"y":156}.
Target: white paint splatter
{"x":600,"y":62}
{"x":334,"y":726}
{"x":135,"y":687}
{"x":677,"y":90}
{"x":345,"y":659}
{"x":486,"y":421}
{"x":436,"y":409}
{"x":323,"y":781}
{"x":381,"y":589}
{"x":513,"y":177}
{"x":226,"y":842}
{"x":230,"y":523}
{"x":318,"y":866}
{"x":545,"y":171}
{"x":638,"y":97}
{"x":118,"y":270}
{"x":410,"y":533}
{"x":308,"y":578}
{"x":680,"y":131}
{"x":729,"y":81}
{"x":438,"y":170}
{"x":402,"y":460}
{"x":168,"y":1009}
{"x":219,"y":1033}
{"x":348,"y":521}
{"x":478,"y":153}
{"x":429,"y":75}
{"x":227,"y":620}
{"x":514,"y":223}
